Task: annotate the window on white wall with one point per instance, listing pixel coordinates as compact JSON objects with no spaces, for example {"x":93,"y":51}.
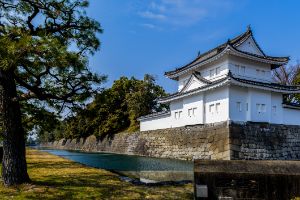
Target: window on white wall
{"x":218,"y":107}
{"x":258,"y":107}
{"x":179,"y":114}
{"x":218,"y":70}
{"x":260,"y":73}
{"x":211,"y":73}
{"x":211,"y":108}
{"x":257,"y":72}
{"x":190,"y":111}
{"x":242,"y":70}
{"x":194,"y":111}
{"x":261,"y":108}
{"x":239,"y":106}
{"x":274,"y":109}
{"x":237,"y":69}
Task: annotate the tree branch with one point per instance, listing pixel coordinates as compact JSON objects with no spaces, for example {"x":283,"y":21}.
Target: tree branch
{"x":36,"y":10}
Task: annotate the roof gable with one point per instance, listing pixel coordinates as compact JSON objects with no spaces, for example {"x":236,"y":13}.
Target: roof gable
{"x":250,"y":46}
{"x":195,"y":81}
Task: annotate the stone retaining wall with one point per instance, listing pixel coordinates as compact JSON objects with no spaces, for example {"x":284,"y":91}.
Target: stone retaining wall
{"x":187,"y":143}
{"x":264,"y":141}
{"x":226,"y":141}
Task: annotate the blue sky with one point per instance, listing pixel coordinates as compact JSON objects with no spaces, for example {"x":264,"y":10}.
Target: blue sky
{"x":145,"y":36}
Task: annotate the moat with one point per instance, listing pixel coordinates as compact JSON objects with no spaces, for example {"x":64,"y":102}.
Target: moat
{"x":146,"y":169}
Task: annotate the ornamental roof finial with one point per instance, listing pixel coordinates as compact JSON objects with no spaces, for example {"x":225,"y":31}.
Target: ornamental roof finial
{"x":228,"y":41}
{"x":199,"y":53}
{"x":249,"y":27}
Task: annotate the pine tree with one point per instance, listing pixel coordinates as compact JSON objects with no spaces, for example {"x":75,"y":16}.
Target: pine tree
{"x":44,"y":46}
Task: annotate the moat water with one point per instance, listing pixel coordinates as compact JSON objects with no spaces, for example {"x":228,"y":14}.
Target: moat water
{"x":146,"y":169}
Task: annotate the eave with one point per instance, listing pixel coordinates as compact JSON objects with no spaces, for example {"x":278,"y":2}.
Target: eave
{"x":154,"y":115}
{"x":291,"y":106}
{"x":231,"y":80}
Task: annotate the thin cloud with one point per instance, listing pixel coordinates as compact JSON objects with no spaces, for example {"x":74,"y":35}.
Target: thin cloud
{"x":183,"y":12}
{"x":157,"y":7}
{"x":151,"y":26}
{"x":152,"y":15}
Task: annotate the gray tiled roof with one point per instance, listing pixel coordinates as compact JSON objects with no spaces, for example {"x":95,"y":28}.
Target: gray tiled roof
{"x":156,"y":114}
{"x":233,"y":43}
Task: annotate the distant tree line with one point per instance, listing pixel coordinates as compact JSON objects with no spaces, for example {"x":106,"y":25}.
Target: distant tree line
{"x":113,"y":110}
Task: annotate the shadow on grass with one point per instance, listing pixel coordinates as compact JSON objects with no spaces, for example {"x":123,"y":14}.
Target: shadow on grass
{"x":57,"y":165}
{"x":77,"y":181}
{"x":101,"y":187}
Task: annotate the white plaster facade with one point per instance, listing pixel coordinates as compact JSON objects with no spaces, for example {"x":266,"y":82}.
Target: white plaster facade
{"x":236,"y":85}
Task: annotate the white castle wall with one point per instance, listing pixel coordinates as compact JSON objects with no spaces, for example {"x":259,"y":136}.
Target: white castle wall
{"x":182,"y":106}
{"x":251,"y":67}
{"x":277,"y":109}
{"x":222,"y":66}
{"x":201,"y":115}
{"x":260,"y":97}
{"x":291,"y":116}
{"x":238,"y":94}
{"x":193,"y":102}
{"x":217,"y":96}
{"x":161,"y":122}
{"x":274,"y":111}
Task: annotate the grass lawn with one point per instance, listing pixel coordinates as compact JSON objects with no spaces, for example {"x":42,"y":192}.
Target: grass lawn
{"x":54,"y":177}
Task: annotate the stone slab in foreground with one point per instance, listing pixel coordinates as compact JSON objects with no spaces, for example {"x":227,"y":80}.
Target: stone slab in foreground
{"x":247,"y":179}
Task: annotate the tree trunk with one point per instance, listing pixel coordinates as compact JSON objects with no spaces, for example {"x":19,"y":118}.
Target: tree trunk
{"x":14,"y":167}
